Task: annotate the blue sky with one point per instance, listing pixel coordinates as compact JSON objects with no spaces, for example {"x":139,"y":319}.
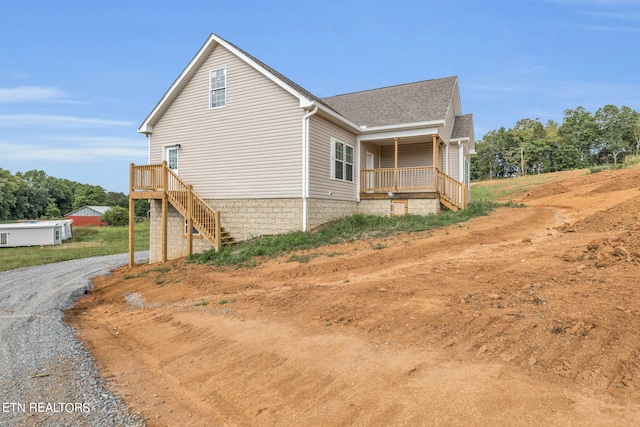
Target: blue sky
{"x":77,"y":78}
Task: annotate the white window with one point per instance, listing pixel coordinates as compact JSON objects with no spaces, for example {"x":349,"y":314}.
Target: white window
{"x":341,"y":161}
{"x":186,"y":228}
{"x":3,"y":239}
{"x":218,"y":88}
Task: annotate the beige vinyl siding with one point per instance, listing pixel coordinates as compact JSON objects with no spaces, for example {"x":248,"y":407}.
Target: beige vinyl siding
{"x":445,"y":131}
{"x":251,"y":148}
{"x":320,"y":183}
{"x":409,"y":155}
{"x":454,"y":161}
{"x":371,"y":148}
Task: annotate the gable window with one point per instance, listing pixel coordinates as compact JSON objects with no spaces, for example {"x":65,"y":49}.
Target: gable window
{"x":341,"y":161}
{"x":218,"y":88}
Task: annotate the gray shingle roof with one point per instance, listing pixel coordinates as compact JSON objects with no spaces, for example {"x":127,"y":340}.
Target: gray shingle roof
{"x":407,"y":103}
{"x":463,"y":127}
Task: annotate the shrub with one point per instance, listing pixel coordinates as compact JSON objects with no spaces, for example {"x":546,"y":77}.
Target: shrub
{"x":116,"y":216}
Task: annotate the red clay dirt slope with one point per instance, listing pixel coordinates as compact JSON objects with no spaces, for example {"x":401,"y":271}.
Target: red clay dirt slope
{"x":530,"y":316}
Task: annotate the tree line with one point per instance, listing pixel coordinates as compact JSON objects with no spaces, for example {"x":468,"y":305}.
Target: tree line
{"x":36,"y":195}
{"x":582,"y":140}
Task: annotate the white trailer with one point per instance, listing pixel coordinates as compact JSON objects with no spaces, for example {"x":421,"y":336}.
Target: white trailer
{"x":34,"y":233}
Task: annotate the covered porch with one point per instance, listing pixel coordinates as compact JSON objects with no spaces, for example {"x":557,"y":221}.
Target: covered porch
{"x":409,"y":167}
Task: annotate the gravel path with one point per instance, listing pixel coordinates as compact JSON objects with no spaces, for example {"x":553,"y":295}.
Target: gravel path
{"x":47,"y":377}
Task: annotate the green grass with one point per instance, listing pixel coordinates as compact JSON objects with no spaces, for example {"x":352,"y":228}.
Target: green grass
{"x":347,"y":229}
{"x":86,"y":242}
{"x":503,"y":188}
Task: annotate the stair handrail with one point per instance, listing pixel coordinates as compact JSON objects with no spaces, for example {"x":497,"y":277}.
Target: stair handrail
{"x":452,"y":190}
{"x":180,"y":195}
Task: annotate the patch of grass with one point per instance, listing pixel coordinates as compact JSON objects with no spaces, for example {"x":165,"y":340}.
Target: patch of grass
{"x":631,"y":160}
{"x":600,"y":168}
{"x":201,"y":303}
{"x":226,"y":301}
{"x":87,"y":242}
{"x":343,"y":230}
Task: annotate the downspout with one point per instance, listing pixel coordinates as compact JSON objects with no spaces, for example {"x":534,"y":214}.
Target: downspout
{"x":305,"y":164}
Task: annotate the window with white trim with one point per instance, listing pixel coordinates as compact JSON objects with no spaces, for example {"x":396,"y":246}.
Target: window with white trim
{"x":172,"y":158}
{"x":3,"y":239}
{"x":218,"y":88}
{"x":342,"y":159}
{"x":195,"y":231}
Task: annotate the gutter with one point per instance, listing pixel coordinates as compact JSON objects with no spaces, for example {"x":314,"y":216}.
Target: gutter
{"x":305,"y":164}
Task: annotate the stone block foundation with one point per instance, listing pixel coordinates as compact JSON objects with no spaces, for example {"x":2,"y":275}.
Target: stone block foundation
{"x":244,"y":219}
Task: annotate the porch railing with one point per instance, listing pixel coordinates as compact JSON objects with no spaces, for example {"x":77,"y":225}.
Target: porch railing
{"x":415,"y":179}
{"x":401,"y":179}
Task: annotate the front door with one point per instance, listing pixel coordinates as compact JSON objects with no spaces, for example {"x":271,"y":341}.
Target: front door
{"x":170,"y":155}
{"x":370,"y":159}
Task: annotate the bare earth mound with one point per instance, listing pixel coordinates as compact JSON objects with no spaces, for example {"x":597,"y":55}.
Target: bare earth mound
{"x":529,"y":316}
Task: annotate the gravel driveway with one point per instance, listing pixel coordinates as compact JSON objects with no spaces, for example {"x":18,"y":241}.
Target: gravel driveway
{"x":47,"y":377}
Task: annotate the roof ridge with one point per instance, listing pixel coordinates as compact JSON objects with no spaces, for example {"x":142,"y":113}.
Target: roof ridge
{"x":390,"y":86}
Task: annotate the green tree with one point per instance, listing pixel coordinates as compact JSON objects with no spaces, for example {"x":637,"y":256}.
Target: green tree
{"x":89,"y":195}
{"x":8,"y":190}
{"x":61,"y":193}
{"x":141,"y":208}
{"x":117,"y":199}
{"x":580,"y":130}
{"x":33,"y":194}
{"x":52,"y":211}
{"x":116,"y":216}
{"x":530,"y":136}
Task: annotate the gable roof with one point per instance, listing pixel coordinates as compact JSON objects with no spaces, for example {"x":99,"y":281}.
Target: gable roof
{"x":214,"y":40}
{"x":100,"y":210}
{"x":424,"y":101}
{"x":463,"y":127}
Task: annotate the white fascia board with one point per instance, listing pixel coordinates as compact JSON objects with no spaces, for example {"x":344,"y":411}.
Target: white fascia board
{"x":145,"y":129}
{"x":398,"y":134}
{"x":304,"y":101}
{"x":402,"y":126}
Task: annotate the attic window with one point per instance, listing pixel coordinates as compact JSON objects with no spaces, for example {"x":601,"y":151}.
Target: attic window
{"x":218,"y":88}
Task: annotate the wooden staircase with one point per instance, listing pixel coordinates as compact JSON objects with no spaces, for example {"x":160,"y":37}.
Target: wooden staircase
{"x":159,"y":182}
{"x":453,"y":194}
